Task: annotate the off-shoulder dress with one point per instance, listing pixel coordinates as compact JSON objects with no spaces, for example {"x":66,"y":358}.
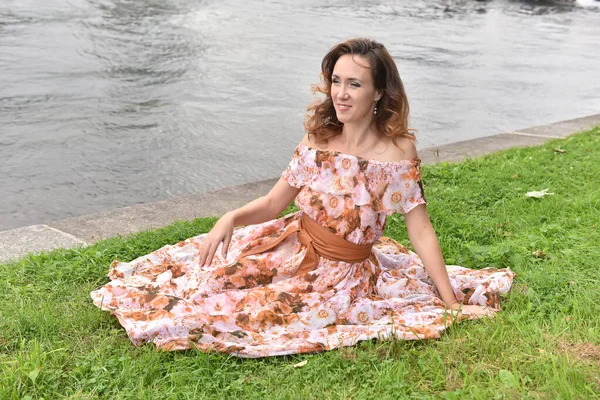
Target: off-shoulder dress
{"x":257,"y":305}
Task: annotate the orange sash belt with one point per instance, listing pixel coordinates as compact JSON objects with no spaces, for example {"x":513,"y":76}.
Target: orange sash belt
{"x":319,"y":241}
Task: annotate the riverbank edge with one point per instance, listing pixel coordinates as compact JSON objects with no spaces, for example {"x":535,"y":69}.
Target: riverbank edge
{"x":88,"y":229}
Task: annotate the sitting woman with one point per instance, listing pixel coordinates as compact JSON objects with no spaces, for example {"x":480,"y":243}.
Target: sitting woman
{"x":322,"y":277}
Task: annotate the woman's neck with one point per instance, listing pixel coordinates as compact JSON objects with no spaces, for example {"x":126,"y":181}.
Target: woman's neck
{"x":358,"y":136}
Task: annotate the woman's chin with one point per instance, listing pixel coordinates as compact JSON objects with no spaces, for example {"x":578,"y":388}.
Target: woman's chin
{"x":342,"y":118}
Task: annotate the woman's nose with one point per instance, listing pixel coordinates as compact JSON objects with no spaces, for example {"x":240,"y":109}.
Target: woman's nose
{"x":342,"y":94}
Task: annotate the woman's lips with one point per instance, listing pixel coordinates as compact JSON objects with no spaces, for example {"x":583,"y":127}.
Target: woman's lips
{"x":343,"y":107}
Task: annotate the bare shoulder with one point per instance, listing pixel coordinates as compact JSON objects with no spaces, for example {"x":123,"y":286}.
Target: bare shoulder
{"x":310,"y":142}
{"x":306,"y":141}
{"x":405,"y":150}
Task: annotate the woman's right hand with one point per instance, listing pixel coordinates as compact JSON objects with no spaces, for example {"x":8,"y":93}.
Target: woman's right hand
{"x":221,"y":232}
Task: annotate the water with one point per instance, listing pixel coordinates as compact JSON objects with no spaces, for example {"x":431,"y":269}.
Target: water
{"x":108,"y":103}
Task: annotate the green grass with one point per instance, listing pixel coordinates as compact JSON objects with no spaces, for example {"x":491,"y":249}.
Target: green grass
{"x":544,"y":344}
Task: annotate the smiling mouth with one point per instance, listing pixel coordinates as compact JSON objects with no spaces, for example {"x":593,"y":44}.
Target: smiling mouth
{"x":343,"y":107}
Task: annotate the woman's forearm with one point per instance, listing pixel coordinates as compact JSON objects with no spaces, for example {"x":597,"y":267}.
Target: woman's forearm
{"x":426,"y":245}
{"x":255,"y":212}
{"x":267,"y":207}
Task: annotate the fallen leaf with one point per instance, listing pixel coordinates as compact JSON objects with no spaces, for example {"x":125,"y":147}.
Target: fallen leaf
{"x":515,"y":176}
{"x":300,"y":364}
{"x":538,"y":194}
{"x":559,"y":150}
{"x":540,"y":254}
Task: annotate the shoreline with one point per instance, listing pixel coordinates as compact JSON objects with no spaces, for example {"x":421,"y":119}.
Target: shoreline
{"x":88,"y":229}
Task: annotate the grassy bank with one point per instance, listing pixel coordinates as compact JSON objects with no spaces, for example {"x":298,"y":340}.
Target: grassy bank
{"x":544,"y":344}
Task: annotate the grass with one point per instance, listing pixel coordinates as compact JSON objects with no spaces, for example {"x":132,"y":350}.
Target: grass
{"x":544,"y":344}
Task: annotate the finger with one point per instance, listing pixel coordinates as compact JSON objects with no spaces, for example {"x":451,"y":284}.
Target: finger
{"x":225,"y":248}
{"x":486,"y":312}
{"x":487,"y":308}
{"x":211,"y":253}
{"x":202,"y":256}
{"x":204,"y":252}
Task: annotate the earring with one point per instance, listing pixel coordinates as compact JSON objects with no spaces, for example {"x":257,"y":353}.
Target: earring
{"x":375,"y":109}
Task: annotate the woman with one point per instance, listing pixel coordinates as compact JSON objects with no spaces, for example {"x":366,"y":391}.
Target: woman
{"x":323,"y":277}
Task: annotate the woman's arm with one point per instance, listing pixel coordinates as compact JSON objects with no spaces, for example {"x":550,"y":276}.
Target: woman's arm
{"x":267,"y":207}
{"x":263,"y":209}
{"x":425,"y":242}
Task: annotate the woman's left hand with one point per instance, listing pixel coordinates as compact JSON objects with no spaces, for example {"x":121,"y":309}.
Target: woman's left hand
{"x":473,"y":310}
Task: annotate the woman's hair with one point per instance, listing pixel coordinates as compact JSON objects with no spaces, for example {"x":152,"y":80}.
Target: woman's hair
{"x":392,"y":109}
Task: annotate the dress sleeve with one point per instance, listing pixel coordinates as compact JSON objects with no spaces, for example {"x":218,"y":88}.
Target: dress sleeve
{"x":405,"y":188}
{"x":294,"y":174}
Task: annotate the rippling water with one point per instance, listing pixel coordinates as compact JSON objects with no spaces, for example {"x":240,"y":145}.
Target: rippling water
{"x":108,"y":103}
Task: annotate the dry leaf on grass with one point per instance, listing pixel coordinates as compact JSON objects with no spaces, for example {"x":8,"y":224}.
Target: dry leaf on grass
{"x":540,"y":254}
{"x":300,"y":364}
{"x":538,"y":194}
{"x":559,"y":150}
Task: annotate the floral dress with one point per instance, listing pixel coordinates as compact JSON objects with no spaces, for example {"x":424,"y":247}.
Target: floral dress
{"x":256,"y":306}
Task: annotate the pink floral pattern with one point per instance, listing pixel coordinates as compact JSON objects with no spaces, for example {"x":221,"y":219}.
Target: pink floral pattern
{"x":254,"y":306}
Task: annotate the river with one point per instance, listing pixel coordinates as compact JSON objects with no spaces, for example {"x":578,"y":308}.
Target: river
{"x":109,"y":103}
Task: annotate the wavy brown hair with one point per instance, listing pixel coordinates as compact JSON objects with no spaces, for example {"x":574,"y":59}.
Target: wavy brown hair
{"x":392,"y":109}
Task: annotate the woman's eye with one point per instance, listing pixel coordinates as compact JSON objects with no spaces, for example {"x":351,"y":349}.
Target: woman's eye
{"x":354,"y":84}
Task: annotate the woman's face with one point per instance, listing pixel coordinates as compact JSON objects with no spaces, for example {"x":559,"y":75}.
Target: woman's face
{"x":352,"y":89}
